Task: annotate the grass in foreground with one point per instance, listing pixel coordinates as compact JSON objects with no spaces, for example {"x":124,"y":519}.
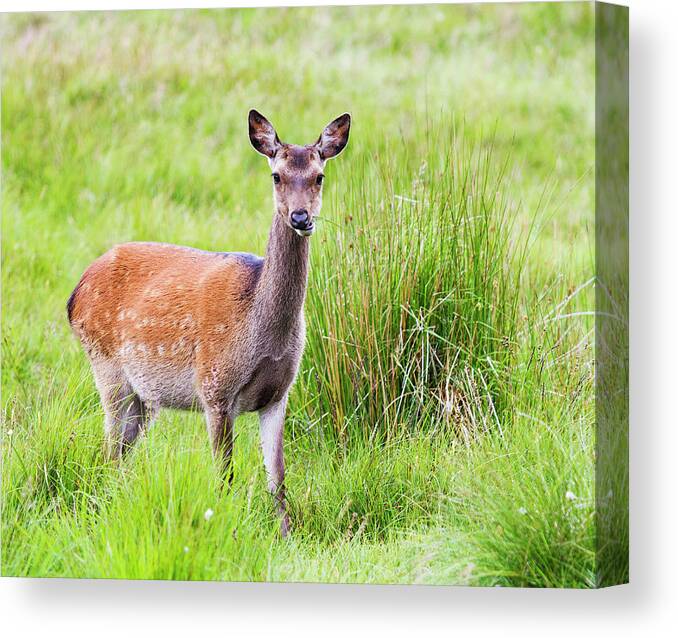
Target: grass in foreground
{"x":441,"y":428}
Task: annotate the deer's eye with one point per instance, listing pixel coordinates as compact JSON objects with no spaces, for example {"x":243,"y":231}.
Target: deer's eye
{"x":276,"y":178}
{"x":319,"y":179}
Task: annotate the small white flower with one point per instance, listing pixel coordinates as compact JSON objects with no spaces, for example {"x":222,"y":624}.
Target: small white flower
{"x":467,"y":572}
{"x":208,"y":514}
{"x":185,"y":549}
{"x":570,"y":496}
{"x":10,"y":432}
{"x":522,"y":510}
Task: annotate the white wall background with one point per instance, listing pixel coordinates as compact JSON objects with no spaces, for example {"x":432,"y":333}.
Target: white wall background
{"x":647,"y":607}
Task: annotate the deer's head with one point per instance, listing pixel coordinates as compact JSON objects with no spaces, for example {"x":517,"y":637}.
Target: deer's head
{"x":297,"y":171}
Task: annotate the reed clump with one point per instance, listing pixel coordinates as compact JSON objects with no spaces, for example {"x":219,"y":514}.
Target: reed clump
{"x":412,"y":306}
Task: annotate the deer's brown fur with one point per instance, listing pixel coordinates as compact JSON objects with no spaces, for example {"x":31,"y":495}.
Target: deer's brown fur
{"x":177,"y":327}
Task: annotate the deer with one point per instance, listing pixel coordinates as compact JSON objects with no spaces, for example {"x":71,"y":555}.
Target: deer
{"x":168,"y":326}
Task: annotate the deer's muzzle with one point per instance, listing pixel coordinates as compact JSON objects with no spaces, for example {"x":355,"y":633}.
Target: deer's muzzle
{"x":302,"y":222}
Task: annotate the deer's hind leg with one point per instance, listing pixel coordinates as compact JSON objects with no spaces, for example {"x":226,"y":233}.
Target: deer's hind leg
{"x":126,"y":415}
{"x":136,"y":420}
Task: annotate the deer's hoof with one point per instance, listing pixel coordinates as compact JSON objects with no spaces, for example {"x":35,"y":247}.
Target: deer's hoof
{"x":285,"y":526}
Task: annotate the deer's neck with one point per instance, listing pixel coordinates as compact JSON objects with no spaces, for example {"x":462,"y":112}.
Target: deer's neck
{"x":281,"y":290}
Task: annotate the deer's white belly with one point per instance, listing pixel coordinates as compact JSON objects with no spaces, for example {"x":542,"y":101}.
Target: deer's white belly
{"x":163,"y":385}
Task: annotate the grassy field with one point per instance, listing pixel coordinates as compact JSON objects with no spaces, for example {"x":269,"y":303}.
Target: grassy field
{"x":442,"y":426}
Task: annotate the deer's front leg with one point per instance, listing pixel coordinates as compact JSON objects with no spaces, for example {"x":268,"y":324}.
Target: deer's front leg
{"x":272,"y":420}
{"x":220,"y":430}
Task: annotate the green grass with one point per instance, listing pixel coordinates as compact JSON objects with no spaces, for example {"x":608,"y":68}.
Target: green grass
{"x":441,"y":428}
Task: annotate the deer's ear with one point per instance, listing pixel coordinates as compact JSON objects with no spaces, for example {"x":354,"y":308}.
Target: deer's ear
{"x":335,"y":137}
{"x":262,"y":134}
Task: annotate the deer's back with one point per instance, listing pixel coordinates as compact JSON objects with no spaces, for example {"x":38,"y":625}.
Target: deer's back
{"x":162,"y":304}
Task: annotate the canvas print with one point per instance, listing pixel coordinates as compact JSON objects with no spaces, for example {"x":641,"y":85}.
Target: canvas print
{"x":322,"y":294}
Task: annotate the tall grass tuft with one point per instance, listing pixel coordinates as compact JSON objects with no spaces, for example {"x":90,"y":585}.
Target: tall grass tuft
{"x":414,"y":294}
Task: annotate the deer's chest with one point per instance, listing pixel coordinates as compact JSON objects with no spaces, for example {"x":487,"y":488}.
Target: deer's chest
{"x":269,"y":382}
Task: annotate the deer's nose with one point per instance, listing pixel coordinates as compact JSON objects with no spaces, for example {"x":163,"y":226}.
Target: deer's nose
{"x":300,"y":219}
